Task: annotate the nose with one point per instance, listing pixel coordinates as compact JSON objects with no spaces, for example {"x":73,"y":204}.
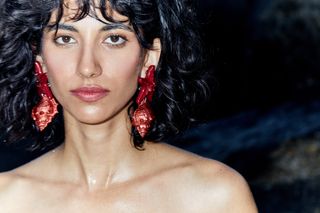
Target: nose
{"x":88,"y":65}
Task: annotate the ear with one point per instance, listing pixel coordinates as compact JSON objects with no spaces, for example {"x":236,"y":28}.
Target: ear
{"x":151,"y":57}
{"x":39,"y":58}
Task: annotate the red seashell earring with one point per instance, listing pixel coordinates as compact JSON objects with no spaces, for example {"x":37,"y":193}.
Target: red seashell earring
{"x":143,"y":115}
{"x":46,"y":109}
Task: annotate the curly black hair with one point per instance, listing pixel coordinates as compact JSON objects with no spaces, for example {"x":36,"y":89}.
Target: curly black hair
{"x":180,"y":79}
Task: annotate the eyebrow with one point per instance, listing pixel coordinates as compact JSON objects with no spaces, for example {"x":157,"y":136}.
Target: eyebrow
{"x":107,"y":27}
{"x":111,"y":26}
{"x":61,"y":27}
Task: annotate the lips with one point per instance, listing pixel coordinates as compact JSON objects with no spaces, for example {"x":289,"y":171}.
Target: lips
{"x":90,"y":94}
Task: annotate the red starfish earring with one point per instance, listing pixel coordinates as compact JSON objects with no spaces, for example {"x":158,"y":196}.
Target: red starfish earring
{"x":45,"y":110}
{"x":143,"y":115}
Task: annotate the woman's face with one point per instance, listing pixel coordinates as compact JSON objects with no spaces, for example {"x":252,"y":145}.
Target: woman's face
{"x":92,"y":67}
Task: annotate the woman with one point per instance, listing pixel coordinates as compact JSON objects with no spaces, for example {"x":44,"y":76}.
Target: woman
{"x":112,"y":78}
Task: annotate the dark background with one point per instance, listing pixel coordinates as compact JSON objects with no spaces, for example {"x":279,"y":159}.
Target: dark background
{"x":265,"y":109}
{"x":263,"y":117}
{"x":263,"y":52}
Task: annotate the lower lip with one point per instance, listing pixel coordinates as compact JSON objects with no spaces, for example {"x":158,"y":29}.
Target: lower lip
{"x":90,"y":95}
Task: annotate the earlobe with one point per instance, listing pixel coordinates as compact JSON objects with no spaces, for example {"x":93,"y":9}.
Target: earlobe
{"x":156,"y":51}
{"x":39,"y":58}
{"x":41,"y":61}
{"x":152,"y":56}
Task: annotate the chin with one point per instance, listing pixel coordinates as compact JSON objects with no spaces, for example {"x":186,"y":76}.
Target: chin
{"x":96,"y":117}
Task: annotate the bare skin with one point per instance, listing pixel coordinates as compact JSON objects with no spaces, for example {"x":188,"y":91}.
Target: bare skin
{"x":161,"y":179}
{"x":97,"y":169}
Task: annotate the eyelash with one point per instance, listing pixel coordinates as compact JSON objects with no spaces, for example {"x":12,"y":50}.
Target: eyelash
{"x":123,"y":40}
{"x":58,"y":40}
{"x":61,"y":43}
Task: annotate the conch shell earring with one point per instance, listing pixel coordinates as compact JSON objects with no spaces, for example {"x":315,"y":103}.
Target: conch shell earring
{"x":46,"y":109}
{"x":143,"y":115}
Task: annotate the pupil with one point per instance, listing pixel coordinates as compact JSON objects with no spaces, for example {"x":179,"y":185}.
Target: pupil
{"x":114,"y":38}
{"x":66,"y":39}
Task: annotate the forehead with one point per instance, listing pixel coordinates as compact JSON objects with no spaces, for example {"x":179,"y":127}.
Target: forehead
{"x":73,"y":10}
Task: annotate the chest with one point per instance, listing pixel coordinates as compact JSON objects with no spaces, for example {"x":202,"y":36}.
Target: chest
{"x":140,"y":199}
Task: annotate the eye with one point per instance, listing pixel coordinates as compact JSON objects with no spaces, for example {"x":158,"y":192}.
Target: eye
{"x":63,"y":40}
{"x":115,"y":40}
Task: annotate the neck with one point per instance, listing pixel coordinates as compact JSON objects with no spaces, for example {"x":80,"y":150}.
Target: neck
{"x":98,"y":156}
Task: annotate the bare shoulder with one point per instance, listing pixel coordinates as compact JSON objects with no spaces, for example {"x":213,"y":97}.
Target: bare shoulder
{"x":22,"y":177}
{"x":209,"y":185}
{"x":6,"y":181}
{"x":20,"y":186}
{"x":225,"y":189}
{"x":9,"y":188}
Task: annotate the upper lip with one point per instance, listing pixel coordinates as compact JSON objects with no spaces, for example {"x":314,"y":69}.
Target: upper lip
{"x":90,"y":93}
{"x":90,"y":89}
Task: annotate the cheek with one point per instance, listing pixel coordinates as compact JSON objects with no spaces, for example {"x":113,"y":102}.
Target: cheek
{"x":59,"y":64}
{"x":125,"y":82}
{"x":59,"y":74}
{"x":124,"y":68}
